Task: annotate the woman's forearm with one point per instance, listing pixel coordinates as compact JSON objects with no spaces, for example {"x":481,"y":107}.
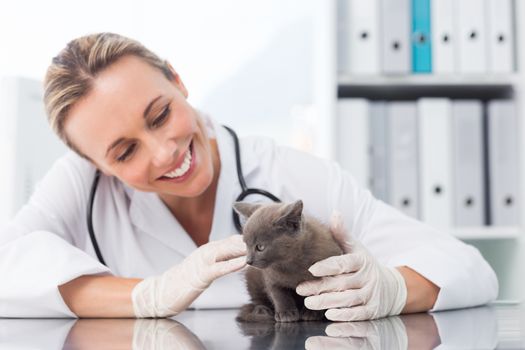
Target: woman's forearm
{"x":421,"y":293}
{"x":99,"y":296}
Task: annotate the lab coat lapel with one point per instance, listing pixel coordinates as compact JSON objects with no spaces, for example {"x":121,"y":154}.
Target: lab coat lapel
{"x":151,"y":216}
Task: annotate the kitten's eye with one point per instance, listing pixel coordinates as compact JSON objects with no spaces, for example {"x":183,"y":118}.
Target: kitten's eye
{"x":259,"y":247}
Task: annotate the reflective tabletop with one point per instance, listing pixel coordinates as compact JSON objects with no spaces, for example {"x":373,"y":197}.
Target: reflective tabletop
{"x":488,"y":327}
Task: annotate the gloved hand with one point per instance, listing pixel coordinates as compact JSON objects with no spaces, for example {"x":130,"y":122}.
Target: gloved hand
{"x":387,"y":333}
{"x":353,"y":286}
{"x":164,"y":334}
{"x":172,"y":292}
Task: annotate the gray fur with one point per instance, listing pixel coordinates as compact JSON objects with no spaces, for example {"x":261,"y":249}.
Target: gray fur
{"x":290,"y":242}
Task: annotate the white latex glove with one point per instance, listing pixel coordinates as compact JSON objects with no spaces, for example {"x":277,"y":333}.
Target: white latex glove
{"x":173,"y":291}
{"x":353,"y":286}
{"x":386,"y":333}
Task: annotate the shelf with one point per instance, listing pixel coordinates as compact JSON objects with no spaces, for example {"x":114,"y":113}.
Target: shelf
{"x":503,"y":232}
{"x":503,"y":247}
{"x":414,"y":92}
{"x":489,"y":80}
{"x":411,"y":87}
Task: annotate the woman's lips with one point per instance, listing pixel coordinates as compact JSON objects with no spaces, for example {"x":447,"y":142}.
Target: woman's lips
{"x":188,"y":173}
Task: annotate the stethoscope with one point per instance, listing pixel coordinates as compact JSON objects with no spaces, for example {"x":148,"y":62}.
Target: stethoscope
{"x":245,"y":191}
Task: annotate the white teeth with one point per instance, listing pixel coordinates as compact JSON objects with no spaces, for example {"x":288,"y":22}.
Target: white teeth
{"x":185,"y":166}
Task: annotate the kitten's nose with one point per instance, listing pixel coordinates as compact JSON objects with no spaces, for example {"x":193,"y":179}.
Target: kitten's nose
{"x":249,"y":260}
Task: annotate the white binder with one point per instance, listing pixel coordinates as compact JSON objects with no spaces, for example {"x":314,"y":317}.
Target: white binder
{"x":403,"y":157}
{"x":500,"y":36}
{"x":352,"y":133}
{"x":434,"y":124}
{"x":363,"y":36}
{"x":472,"y":48}
{"x":379,"y":151}
{"x":444,"y":39}
{"x":468,"y":163}
{"x":396,"y":19}
{"x":342,"y":37}
{"x":503,"y":162}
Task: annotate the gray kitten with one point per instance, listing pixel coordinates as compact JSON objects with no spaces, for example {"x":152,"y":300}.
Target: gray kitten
{"x":282,"y":244}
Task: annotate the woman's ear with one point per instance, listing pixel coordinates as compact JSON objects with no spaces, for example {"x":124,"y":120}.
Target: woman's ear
{"x":177,"y":80}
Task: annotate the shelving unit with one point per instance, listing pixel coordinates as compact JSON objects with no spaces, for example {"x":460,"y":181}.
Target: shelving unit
{"x":481,"y":233}
{"x":496,"y":80}
{"x":503,"y":247}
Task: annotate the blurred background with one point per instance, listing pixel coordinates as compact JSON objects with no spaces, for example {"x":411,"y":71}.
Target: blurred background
{"x":248,"y":63}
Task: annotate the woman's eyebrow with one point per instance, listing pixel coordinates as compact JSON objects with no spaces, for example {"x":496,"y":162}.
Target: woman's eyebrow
{"x":114,"y":144}
{"x":145,"y":115}
{"x":150,"y":105}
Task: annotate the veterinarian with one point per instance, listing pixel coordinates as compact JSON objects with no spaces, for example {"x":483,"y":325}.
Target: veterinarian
{"x":137,"y":221}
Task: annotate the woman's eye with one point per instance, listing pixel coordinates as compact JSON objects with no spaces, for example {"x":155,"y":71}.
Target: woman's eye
{"x":259,"y":247}
{"x":129,"y":151}
{"x":162,"y":117}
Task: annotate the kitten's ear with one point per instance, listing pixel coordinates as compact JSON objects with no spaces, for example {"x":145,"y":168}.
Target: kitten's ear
{"x":245,"y":209}
{"x":291,"y":216}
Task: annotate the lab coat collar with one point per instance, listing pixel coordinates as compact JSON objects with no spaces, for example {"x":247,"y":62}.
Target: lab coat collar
{"x":151,"y":216}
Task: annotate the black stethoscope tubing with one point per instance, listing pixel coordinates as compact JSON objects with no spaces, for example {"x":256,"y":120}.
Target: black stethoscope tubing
{"x":90,"y":217}
{"x":245,"y":191}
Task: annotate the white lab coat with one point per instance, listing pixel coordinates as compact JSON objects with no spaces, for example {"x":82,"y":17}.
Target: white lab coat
{"x":47,"y":243}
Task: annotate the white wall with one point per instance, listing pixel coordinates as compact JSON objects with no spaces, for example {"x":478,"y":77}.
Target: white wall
{"x":248,"y":63}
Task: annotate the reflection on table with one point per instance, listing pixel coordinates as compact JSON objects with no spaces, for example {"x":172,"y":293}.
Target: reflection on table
{"x":487,"y":327}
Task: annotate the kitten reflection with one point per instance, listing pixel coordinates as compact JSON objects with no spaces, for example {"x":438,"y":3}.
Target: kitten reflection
{"x":416,"y":331}
{"x":131,"y":334}
{"x":282,"y":335}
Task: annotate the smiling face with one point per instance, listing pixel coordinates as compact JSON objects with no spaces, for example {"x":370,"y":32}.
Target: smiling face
{"x":137,"y":125}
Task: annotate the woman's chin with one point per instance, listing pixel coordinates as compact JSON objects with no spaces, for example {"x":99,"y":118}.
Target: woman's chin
{"x":193,"y":188}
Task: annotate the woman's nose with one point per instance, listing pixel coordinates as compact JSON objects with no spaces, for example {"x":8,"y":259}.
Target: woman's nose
{"x":163,"y":153}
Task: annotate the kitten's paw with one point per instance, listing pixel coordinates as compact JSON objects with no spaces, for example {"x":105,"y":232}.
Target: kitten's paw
{"x":287,"y":316}
{"x":312,"y":315}
{"x":255,"y":313}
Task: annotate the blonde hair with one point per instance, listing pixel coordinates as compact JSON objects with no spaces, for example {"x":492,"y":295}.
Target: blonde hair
{"x":72,"y":72}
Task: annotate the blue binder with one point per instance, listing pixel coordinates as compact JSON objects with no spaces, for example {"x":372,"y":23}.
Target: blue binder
{"x":421,"y":45}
